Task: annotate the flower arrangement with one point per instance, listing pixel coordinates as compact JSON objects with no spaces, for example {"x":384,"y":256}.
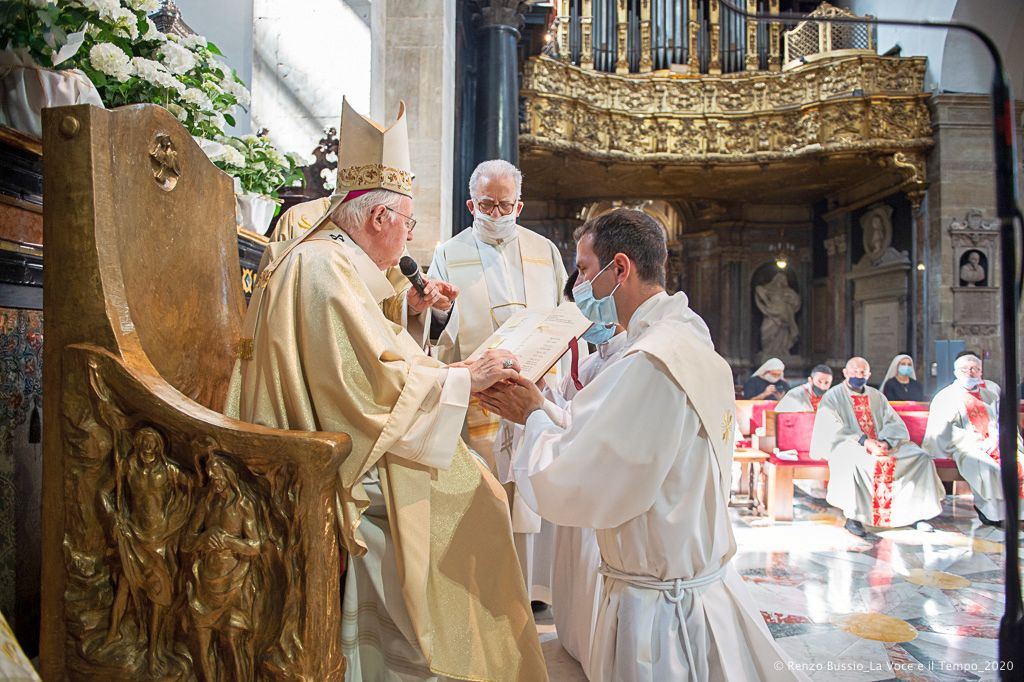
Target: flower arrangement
{"x":258,"y":165}
{"x":130,"y":61}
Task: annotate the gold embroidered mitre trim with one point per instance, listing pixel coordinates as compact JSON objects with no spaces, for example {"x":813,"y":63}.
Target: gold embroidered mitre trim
{"x":375,"y":176}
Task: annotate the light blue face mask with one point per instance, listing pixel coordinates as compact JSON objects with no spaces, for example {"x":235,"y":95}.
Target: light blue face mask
{"x":970,"y":383}
{"x":905,"y":370}
{"x":599,"y":333}
{"x":597,"y":310}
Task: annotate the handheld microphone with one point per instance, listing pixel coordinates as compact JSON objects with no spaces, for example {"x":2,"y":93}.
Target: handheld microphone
{"x":411,"y":270}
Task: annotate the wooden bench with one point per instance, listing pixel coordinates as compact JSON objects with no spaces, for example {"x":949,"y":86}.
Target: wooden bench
{"x":791,"y":431}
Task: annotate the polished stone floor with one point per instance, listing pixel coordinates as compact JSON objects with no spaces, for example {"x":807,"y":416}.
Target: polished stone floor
{"x":897,"y":605}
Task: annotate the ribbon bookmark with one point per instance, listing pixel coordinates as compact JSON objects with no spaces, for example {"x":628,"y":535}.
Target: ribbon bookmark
{"x":574,"y":370}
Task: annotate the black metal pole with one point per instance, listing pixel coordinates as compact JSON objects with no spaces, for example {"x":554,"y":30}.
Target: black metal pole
{"x":1011,"y":631}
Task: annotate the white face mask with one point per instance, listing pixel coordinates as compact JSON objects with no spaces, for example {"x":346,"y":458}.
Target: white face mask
{"x":501,"y":228}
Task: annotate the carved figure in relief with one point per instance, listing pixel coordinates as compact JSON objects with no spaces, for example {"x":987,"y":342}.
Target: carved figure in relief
{"x":972,"y":273}
{"x":223,"y":540}
{"x":779,"y":303}
{"x":150,"y":507}
{"x":878,"y":250}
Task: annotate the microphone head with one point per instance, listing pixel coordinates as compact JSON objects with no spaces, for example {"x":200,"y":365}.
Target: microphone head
{"x":408,"y":266}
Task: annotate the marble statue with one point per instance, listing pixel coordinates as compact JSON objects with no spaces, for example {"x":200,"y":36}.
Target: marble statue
{"x":779,"y":303}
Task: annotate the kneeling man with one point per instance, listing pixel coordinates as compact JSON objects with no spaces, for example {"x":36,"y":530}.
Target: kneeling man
{"x":877,"y":475}
{"x":643,"y":455}
{"x":963,"y":425}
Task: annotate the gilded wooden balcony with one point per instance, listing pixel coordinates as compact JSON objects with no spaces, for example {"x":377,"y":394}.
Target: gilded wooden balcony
{"x":847,"y":110}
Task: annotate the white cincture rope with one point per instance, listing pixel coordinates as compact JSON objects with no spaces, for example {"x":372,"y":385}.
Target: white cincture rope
{"x":674,"y":591}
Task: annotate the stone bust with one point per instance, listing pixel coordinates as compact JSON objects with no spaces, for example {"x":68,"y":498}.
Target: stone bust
{"x":972,"y":272}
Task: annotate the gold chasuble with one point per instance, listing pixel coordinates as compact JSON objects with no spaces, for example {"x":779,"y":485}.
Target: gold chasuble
{"x":300,"y":218}
{"x":325,"y":358}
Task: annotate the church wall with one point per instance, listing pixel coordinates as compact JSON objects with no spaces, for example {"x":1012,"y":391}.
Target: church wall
{"x":306,"y":56}
{"x":413,"y":59}
{"x":960,"y":175}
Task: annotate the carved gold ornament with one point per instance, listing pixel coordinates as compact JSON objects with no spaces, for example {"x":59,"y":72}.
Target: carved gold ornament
{"x":375,"y":176}
{"x":163,"y":158}
{"x":859,"y":104}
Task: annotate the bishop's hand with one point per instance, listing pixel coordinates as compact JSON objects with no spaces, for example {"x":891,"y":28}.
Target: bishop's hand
{"x":436,"y":294}
{"x":513,"y":400}
{"x":490,"y":368}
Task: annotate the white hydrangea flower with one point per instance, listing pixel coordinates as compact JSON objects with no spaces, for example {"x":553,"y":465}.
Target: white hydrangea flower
{"x":111,"y":60}
{"x":250,"y":138}
{"x":233,"y":87}
{"x":277,"y":157}
{"x":236,"y":143}
{"x":147,"y":6}
{"x":178,"y":111}
{"x":194,"y":42}
{"x":125,"y":23}
{"x":152,"y":33}
{"x":105,"y":8}
{"x":330,"y":178}
{"x":155,"y":73}
{"x":176,"y":58}
{"x":297,"y":159}
{"x":233,"y":157}
{"x":196,"y":98}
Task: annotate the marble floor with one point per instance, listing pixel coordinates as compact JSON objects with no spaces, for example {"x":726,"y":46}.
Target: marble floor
{"x":933,"y":599}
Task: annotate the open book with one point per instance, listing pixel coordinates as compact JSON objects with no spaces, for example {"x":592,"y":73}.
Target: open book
{"x":538,"y":338}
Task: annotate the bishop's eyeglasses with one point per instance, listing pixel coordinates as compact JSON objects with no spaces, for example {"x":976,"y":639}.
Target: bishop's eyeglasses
{"x":410,"y":222}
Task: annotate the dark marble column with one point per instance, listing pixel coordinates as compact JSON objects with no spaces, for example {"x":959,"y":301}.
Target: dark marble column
{"x":497,"y":110}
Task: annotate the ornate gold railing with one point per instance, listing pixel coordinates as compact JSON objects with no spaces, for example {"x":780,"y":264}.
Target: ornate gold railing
{"x":692,"y":36}
{"x":857,"y":103}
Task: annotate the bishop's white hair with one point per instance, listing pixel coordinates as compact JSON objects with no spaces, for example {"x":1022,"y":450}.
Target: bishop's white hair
{"x":495,"y":168}
{"x":353,"y":214}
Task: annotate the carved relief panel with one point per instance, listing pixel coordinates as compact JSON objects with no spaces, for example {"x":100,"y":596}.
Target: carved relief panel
{"x":181,"y":563}
{"x":975,"y":253}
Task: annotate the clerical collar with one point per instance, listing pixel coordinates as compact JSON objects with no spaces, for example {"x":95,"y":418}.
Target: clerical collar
{"x":636,"y":322}
{"x":612,"y":345}
{"x":375,"y":280}
{"x":491,"y":241}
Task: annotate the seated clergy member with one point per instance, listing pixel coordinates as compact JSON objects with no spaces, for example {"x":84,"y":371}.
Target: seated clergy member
{"x":766,"y":383}
{"x":643,"y":456}
{"x":877,"y":475}
{"x":963,"y":425}
{"x":405,"y":304}
{"x":805,"y":397}
{"x":900,"y":382}
{"x":319,"y":354}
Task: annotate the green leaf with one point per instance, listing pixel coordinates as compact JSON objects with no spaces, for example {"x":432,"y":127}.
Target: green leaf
{"x":214,"y":49}
{"x":230,"y":119}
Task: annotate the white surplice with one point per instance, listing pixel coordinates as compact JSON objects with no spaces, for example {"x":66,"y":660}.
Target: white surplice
{"x":951,"y":435}
{"x":877,"y":491}
{"x":641,"y":459}
{"x":495,"y":280}
{"x":796,"y":400}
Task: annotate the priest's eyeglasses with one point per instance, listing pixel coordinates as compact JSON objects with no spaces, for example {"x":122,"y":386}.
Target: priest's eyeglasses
{"x":488,"y":206}
{"x":410,"y":222}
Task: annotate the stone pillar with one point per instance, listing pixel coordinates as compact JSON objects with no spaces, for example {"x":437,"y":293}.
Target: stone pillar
{"x":838,"y":289}
{"x":918,"y":342}
{"x":413,"y":59}
{"x":497,"y":113}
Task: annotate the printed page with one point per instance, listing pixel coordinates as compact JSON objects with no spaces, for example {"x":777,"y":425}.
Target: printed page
{"x":538,"y":338}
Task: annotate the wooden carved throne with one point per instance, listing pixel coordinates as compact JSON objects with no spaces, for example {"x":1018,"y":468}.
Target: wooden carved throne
{"x":177,"y":543}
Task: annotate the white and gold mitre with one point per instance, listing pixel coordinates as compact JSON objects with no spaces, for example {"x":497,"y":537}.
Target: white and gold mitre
{"x":371,"y":156}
